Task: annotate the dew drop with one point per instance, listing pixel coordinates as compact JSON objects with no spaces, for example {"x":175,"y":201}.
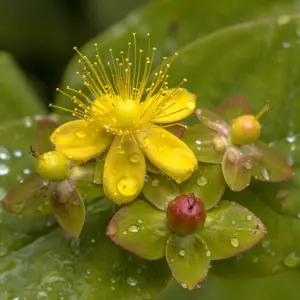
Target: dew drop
{"x":81,"y":134}
{"x":247,"y":165}
{"x":265,"y":174}
{"x":147,"y":177}
{"x":121,"y":151}
{"x":283,"y":20}
{"x":4,"y":154}
{"x":219,"y":144}
{"x":233,"y":222}
{"x":160,"y":149}
{"x":162,"y":135}
{"x":234,"y":242}
{"x":291,"y":138}
{"x":131,"y":281}
{"x":133,"y":228}
{"x":28,"y":122}
{"x":17,"y":153}
{"x":181,"y":252}
{"x":198,"y":142}
{"x":134,"y":158}
{"x":4,"y":169}
{"x":139,"y":221}
{"x":208,"y":253}
{"x":286,"y":44}
{"x":160,"y":232}
{"x":124,"y":232}
{"x":202,"y":181}
{"x":249,"y":217}
{"x":155,"y":182}
{"x":292,"y":260}
{"x":127,"y":186}
{"x":184,"y":285}
{"x":26,"y":171}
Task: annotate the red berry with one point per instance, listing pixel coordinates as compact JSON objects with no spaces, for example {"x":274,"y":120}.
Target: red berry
{"x":186,"y":214}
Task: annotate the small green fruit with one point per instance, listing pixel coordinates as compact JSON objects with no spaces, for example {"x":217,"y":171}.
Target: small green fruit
{"x":245,"y":130}
{"x":52,"y":166}
{"x":186,"y":214}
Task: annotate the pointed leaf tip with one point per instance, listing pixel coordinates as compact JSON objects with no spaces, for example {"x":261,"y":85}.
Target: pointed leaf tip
{"x":188,"y":259}
{"x":68,"y":208}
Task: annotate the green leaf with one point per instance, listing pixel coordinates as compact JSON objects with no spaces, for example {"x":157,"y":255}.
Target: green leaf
{"x":188,"y":260}
{"x":269,"y":165}
{"x":231,"y":229}
{"x":18,"y":98}
{"x":207,"y":145}
{"x":160,"y":190}
{"x":277,"y":252}
{"x":236,"y":169}
{"x":207,"y":183}
{"x":68,"y":207}
{"x":141,"y":229}
{"x":233,"y":107}
{"x":169,"y":22}
{"x":57,"y":266}
{"x":31,"y":197}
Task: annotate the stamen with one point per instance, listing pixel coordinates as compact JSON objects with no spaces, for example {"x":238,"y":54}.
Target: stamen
{"x":262,"y":111}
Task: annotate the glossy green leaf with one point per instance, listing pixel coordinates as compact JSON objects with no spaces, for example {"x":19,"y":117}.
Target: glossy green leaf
{"x":18,"y":98}
{"x":188,"y":260}
{"x":207,"y":145}
{"x":56,"y":266}
{"x":231,"y":229}
{"x":68,"y":207}
{"x":234,"y":107}
{"x":160,"y":190}
{"x":31,"y":197}
{"x":277,"y":252}
{"x":207,"y":183}
{"x":269,"y":165}
{"x":236,"y":169}
{"x":141,"y":229}
{"x":169,"y":22}
{"x":45,"y":127}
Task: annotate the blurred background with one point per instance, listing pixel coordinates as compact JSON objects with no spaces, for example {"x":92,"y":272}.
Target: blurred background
{"x":41,"y":34}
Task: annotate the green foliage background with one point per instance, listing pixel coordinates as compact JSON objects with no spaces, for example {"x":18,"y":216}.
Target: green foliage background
{"x":226,"y":47}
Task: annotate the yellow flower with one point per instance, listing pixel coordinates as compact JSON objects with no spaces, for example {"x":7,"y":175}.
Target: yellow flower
{"x":121,"y":111}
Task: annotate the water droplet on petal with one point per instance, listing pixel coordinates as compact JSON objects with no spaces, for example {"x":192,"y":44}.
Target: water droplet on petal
{"x":155,"y":182}
{"x":181,"y":252}
{"x":160,"y":149}
{"x":134,"y":158}
{"x":162,"y":135}
{"x":128,"y":186}
{"x":81,"y":134}
{"x":202,"y":181}
{"x":234,"y":242}
{"x":133,"y":228}
{"x":121,"y":151}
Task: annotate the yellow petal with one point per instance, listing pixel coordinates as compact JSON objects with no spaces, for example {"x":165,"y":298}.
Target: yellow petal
{"x":176,"y":105}
{"x":78,"y":140}
{"x":167,"y":152}
{"x":124,"y":170}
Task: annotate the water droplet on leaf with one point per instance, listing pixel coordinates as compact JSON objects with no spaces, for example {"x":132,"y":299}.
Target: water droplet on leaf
{"x":181,"y":252}
{"x":133,"y":228}
{"x":4,"y":170}
{"x":155,"y":182}
{"x":202,"y":181}
{"x":81,"y":134}
{"x":234,"y":242}
{"x":131,"y":281}
{"x":292,"y":260}
{"x":208,"y":253}
{"x":249,"y":217}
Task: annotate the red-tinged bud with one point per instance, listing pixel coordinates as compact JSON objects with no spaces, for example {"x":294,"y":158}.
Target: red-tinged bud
{"x":246,"y":129}
{"x":186,"y":214}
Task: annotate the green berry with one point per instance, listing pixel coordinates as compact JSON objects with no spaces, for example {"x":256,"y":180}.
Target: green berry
{"x":52,"y":166}
{"x":245,"y":130}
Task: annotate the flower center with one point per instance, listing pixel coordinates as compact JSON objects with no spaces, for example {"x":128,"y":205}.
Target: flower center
{"x":126,"y":113}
